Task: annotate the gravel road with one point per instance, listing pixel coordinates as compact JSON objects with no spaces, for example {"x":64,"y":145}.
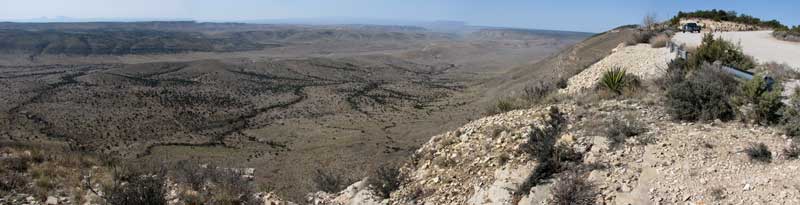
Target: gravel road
{"x":759,"y":44}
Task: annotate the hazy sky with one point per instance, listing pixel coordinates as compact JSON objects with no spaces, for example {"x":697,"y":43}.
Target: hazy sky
{"x":584,"y":15}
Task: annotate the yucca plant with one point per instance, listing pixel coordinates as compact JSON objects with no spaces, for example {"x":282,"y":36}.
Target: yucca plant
{"x":615,"y":80}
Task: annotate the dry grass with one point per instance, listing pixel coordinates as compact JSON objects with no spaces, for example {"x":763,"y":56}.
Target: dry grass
{"x":659,"y":41}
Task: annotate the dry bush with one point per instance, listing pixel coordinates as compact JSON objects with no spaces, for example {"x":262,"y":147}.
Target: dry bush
{"x":17,"y":163}
{"x":618,"y":130}
{"x":144,"y":189}
{"x":649,"y":21}
{"x":572,"y":189}
{"x":792,"y":151}
{"x":536,"y":92}
{"x":210,"y":184}
{"x":328,"y":181}
{"x":385,"y":180}
{"x":502,"y":105}
{"x":12,"y":181}
{"x":642,"y":36}
{"x":758,"y":152}
{"x":659,"y":41}
{"x":676,"y":73}
{"x":703,"y":96}
{"x":542,"y":146}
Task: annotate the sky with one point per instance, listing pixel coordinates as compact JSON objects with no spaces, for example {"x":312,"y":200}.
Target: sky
{"x":573,"y":15}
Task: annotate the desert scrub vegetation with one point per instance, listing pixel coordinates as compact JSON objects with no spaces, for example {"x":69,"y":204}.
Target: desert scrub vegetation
{"x":572,"y":189}
{"x":385,"y":180}
{"x":617,"y":81}
{"x":143,"y":188}
{"x":702,"y":96}
{"x":659,"y":41}
{"x":640,"y":36}
{"x":542,"y":145}
{"x":329,"y":182}
{"x":764,"y":101}
{"x":722,"y":15}
{"x":778,"y":71}
{"x":209,"y":184}
{"x":502,"y":105}
{"x":791,"y":115}
{"x":792,"y":151}
{"x":758,"y":152}
{"x":788,"y":34}
{"x":617,"y":129}
{"x":716,"y":49}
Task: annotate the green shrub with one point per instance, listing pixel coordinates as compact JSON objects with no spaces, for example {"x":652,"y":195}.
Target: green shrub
{"x":758,"y":152}
{"x":767,"y":105}
{"x":712,"y":50}
{"x":704,"y":95}
{"x":791,"y":116}
{"x":722,"y":15}
{"x":617,"y":81}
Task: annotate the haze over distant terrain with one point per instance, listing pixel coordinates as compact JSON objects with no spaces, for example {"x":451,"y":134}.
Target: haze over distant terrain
{"x":571,"y":15}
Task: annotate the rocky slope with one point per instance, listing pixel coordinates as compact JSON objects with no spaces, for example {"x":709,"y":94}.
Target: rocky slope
{"x":660,"y":162}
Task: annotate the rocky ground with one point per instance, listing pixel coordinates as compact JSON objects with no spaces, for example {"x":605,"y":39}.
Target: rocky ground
{"x":664,"y":162}
{"x":650,"y":63}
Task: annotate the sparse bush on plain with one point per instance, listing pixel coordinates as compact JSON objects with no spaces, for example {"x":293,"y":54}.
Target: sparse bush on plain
{"x":141,"y":189}
{"x":500,"y":106}
{"x":385,"y":180}
{"x":536,"y":92}
{"x":572,"y":189}
{"x":703,"y":96}
{"x":758,"y":152}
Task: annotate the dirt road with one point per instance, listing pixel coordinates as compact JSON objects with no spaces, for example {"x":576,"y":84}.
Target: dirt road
{"x":759,"y":44}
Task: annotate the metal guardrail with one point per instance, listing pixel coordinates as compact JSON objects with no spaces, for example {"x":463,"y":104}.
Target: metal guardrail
{"x":681,"y":52}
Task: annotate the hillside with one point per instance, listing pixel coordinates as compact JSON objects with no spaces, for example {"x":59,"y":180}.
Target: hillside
{"x":312,"y":98}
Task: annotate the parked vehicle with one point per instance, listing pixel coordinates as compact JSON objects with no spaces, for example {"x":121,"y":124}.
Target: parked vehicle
{"x":691,"y":28}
